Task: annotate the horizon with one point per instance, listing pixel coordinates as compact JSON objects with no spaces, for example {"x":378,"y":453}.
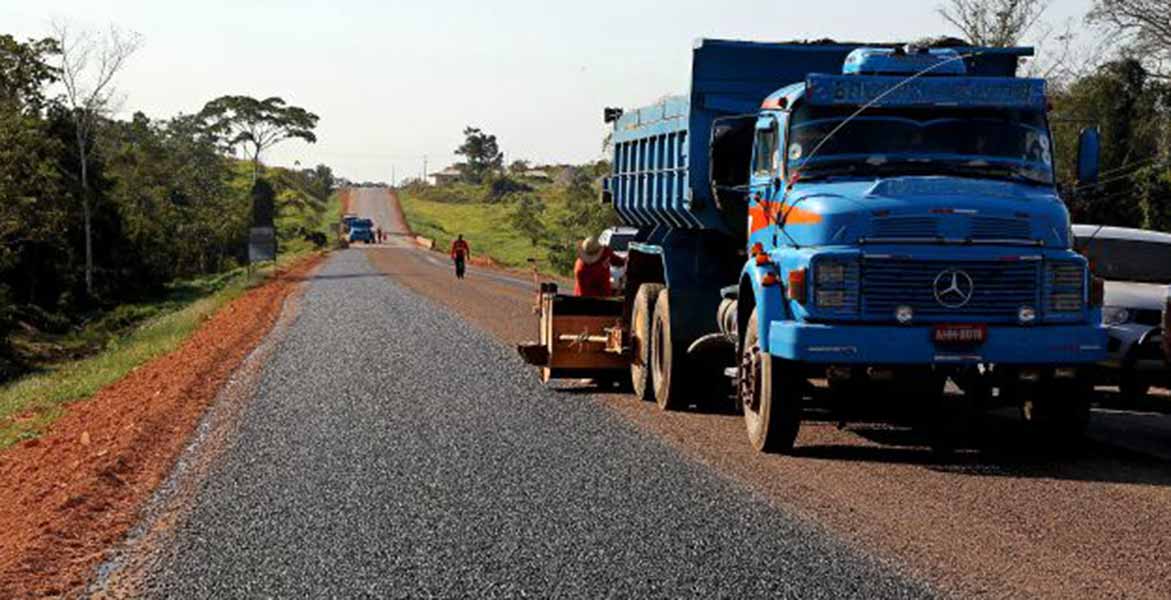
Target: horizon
{"x":394,"y":58}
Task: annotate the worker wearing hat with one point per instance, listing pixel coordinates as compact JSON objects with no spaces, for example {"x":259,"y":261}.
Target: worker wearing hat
{"x":591,"y":273}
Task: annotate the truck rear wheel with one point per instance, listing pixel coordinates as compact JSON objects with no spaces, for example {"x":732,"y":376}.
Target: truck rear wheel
{"x":668,"y":359}
{"x":768,"y":394}
{"x":640,"y":340}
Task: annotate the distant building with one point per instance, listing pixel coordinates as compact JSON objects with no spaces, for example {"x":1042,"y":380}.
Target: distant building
{"x":537,"y":174}
{"x":446,"y":176}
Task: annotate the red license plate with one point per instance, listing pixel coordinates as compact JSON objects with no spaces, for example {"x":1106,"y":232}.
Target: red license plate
{"x":960,"y":334}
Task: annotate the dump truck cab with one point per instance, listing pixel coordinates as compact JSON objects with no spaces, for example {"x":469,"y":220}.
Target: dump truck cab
{"x":849,"y":212}
{"x":914,"y":221}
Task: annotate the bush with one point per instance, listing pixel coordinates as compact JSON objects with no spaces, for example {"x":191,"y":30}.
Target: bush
{"x":37,"y":317}
{"x":7,"y":317}
{"x":500,"y":187}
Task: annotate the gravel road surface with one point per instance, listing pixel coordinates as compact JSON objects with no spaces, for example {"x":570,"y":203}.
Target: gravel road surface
{"x":393,"y":449}
{"x":1002,"y":518}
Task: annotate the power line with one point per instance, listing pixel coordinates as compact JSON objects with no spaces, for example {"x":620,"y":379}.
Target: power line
{"x":1126,"y":175}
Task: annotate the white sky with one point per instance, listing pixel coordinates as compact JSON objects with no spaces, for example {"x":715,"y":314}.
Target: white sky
{"x":396,"y":80}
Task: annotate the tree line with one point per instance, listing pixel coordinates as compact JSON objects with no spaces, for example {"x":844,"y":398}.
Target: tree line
{"x":97,"y":211}
{"x":1111,"y":70}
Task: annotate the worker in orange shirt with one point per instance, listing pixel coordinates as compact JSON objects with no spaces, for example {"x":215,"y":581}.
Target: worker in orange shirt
{"x":460,"y":252}
{"x":591,"y":272}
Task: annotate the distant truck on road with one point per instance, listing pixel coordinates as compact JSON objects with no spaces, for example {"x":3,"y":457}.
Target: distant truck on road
{"x":849,"y":212}
{"x":361,"y":230}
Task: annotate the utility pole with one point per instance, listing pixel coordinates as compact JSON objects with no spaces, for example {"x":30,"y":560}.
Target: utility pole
{"x":424,"y":168}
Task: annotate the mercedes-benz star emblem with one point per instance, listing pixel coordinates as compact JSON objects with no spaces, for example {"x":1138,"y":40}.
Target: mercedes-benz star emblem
{"x":953,"y":288}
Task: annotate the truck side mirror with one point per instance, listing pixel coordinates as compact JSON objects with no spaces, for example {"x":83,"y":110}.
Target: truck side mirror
{"x":1089,"y":145}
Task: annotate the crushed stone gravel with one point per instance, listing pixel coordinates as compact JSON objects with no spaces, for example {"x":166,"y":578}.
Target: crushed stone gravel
{"x":393,"y":450}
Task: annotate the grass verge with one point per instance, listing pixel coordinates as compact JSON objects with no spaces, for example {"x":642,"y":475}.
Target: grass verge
{"x":487,"y":227}
{"x":30,"y":404}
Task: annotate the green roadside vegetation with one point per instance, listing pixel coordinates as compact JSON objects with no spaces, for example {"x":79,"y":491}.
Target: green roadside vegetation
{"x":487,"y":227}
{"x":120,"y":341}
{"x":61,"y":361}
{"x":510,"y":215}
{"x":167,"y":206}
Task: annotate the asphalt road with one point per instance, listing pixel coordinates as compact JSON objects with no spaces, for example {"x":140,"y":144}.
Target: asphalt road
{"x":371,"y":203}
{"x":392,"y":450}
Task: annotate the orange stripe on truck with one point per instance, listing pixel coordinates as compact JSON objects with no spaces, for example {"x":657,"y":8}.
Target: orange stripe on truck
{"x":794,"y":215}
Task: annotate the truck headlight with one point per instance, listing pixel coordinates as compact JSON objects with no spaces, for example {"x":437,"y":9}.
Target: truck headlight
{"x":831,"y":298}
{"x":1066,"y":286}
{"x":831,"y":273}
{"x":1115,"y":315}
{"x":835,"y":284}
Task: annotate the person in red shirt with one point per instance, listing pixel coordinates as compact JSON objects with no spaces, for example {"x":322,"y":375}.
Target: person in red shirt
{"x":460,"y":252}
{"x":591,"y":272}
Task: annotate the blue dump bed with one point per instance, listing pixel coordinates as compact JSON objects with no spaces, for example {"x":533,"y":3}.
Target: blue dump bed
{"x":661,"y":160}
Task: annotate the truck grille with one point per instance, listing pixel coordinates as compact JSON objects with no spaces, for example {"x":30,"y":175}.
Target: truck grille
{"x":906,"y":227}
{"x":998,"y":290}
{"x":999,"y":228}
{"x":952,"y":226}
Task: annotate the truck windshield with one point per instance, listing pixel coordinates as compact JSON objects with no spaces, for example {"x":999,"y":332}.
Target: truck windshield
{"x":991,"y":143}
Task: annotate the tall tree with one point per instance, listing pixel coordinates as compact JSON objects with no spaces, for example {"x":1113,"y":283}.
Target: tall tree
{"x":31,"y":213}
{"x":482,"y":153}
{"x":997,"y":23}
{"x":257,"y":125}
{"x":1129,"y":109}
{"x":89,"y":62}
{"x":1143,"y":25}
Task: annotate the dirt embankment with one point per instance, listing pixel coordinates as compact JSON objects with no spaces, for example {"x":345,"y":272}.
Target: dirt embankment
{"x":68,"y":497}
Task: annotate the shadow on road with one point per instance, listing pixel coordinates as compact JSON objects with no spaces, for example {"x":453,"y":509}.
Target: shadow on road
{"x":998,"y":444}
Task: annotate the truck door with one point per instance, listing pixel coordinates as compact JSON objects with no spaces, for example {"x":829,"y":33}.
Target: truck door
{"x":765,"y":182}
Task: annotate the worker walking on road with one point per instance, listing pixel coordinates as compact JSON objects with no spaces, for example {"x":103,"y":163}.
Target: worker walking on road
{"x":591,"y":272}
{"x":380,"y":238}
{"x":460,"y":253}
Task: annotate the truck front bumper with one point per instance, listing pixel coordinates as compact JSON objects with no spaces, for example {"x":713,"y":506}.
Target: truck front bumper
{"x":884,"y":344}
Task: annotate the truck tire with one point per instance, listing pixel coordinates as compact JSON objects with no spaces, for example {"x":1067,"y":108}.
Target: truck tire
{"x":768,"y":393}
{"x":670,"y":372}
{"x":1131,"y":387}
{"x":642,"y":312}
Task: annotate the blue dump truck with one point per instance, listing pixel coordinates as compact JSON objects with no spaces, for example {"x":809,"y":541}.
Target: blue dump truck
{"x":880,"y":217}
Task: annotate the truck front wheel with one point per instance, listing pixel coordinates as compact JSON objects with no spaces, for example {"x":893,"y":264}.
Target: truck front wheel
{"x":640,"y":340}
{"x":768,"y":393}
